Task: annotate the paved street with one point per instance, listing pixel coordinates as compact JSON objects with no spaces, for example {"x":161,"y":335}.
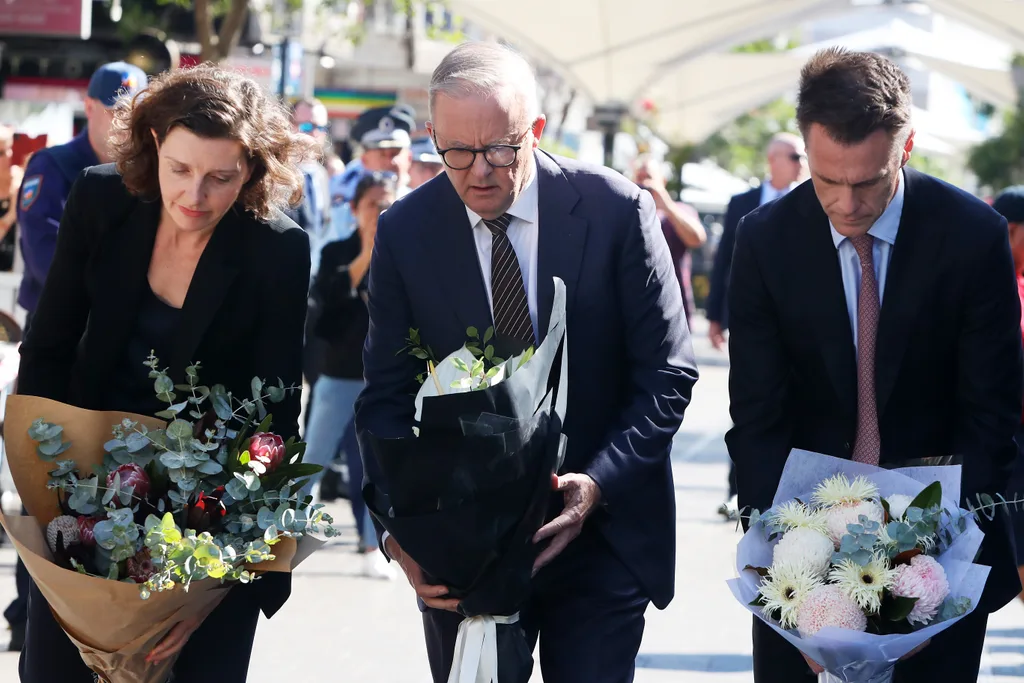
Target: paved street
{"x":371,"y":629}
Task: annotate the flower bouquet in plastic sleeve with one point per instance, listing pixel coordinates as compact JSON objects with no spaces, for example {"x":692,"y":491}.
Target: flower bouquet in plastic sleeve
{"x":858,"y":566}
{"x":465,"y":495}
{"x":136,"y":523}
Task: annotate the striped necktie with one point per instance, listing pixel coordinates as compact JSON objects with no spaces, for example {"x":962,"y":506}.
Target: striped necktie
{"x":508,"y":293}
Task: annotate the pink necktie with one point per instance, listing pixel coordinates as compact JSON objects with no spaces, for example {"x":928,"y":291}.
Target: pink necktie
{"x":869,"y":441}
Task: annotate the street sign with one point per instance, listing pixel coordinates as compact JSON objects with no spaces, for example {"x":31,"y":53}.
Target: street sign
{"x":58,"y":18}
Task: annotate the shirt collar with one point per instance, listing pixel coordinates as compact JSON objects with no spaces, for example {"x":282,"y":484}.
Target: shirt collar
{"x":526,"y":206}
{"x":888,"y":224}
{"x":770,"y":192}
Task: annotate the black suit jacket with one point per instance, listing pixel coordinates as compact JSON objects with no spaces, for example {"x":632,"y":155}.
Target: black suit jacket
{"x":718,"y":296}
{"x":948,"y":369}
{"x":242,"y":318}
{"x":631,"y":368}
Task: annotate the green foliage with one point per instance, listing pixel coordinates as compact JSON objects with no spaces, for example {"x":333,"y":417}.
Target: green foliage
{"x":555,"y":147}
{"x":198,"y":469}
{"x":740,"y":146}
{"x":999,"y":161}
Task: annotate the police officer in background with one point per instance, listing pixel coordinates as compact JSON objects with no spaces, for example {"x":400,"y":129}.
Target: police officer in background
{"x":426,"y":162}
{"x":51,"y":171}
{"x":48,"y":179}
{"x":383,"y":135}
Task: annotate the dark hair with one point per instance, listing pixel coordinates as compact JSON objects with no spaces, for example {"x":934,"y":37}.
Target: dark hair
{"x":371,"y":180}
{"x":852,"y":95}
{"x":213,"y":103}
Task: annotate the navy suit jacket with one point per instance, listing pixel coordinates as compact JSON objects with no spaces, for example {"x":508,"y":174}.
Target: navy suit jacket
{"x":948,"y":369}
{"x":631,"y":367}
{"x":718,"y":296}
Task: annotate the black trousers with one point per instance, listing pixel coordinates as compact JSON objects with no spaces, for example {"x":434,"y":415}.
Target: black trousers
{"x":953,"y":656}
{"x":219,"y":649}
{"x":587,"y":611}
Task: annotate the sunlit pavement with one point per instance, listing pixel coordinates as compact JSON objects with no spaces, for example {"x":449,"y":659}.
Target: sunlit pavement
{"x":371,"y":630}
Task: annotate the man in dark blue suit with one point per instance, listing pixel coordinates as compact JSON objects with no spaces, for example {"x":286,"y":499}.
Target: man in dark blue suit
{"x":875,"y":317}
{"x":787,"y":166}
{"x":480,"y":245}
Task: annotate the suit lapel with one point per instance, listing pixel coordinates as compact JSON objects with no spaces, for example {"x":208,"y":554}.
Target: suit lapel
{"x":218,"y":266}
{"x":826,"y":298}
{"x":449,"y":253}
{"x":561,"y":238}
{"x":911,"y":267}
{"x":120,"y":278}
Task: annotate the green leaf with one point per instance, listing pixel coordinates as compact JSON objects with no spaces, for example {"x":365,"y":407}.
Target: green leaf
{"x":460,"y":365}
{"x":931,"y":496}
{"x":221,"y":403}
{"x":257,"y":388}
{"x":180,"y":431}
{"x":488,"y":334}
{"x":163,"y":385}
{"x":472,"y":333}
{"x":897,"y":609}
{"x":761,"y":571}
{"x":489,"y":353}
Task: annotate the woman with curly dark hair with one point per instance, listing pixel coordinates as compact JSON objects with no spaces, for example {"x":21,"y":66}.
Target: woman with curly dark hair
{"x":179,"y":248}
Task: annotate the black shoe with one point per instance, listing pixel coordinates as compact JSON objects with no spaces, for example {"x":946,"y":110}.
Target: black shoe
{"x":17,"y":637}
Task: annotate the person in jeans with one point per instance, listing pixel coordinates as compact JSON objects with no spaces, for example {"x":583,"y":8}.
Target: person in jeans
{"x":340,"y":292}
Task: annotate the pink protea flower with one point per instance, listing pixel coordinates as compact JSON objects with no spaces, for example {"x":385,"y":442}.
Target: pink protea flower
{"x":140,"y":567}
{"x":924,"y":579}
{"x":85,"y":531}
{"x":827,"y":606}
{"x":267,"y":449}
{"x":131,"y":475}
{"x":838,"y":517}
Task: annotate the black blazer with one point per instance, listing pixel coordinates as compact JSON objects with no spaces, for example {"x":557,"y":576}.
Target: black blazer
{"x":948,"y":369}
{"x":718,"y":295}
{"x":243,"y":316}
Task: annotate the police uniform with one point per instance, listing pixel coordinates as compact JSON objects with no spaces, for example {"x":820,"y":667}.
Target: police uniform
{"x":48,"y":179}
{"x":378,"y":128}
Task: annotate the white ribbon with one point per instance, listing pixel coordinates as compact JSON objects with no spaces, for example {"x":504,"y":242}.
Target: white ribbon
{"x":476,"y":649}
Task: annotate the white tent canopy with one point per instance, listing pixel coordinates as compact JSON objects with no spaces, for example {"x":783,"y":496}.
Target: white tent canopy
{"x":613,"y":50}
{"x":708,"y":92}
{"x":1002,"y":19}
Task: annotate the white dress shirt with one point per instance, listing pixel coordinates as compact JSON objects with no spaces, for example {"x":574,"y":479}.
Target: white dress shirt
{"x":523,"y":233}
{"x":884,"y":231}
{"x":769,"y":193}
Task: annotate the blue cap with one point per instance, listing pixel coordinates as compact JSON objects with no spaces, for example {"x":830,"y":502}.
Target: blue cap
{"x":113,"y":80}
{"x":423,"y":151}
{"x":383,"y":127}
{"x":1010,"y":203}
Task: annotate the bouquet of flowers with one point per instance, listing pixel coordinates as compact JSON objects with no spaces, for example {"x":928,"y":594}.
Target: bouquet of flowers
{"x":857,"y":566}
{"x":464,"y":496}
{"x":127,"y":536}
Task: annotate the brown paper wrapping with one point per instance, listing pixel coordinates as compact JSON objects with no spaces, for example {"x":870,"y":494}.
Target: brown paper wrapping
{"x":113,"y":628}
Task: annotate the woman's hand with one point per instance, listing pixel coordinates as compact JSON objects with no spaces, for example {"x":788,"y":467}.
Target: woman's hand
{"x":175,"y":639}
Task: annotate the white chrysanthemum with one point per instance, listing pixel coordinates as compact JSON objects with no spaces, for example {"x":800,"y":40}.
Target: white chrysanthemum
{"x":806,"y":549}
{"x":898,"y":504}
{"x":784,"y":590}
{"x":864,"y":585}
{"x":839,"y":490}
{"x":838,"y":518}
{"x":795,"y":515}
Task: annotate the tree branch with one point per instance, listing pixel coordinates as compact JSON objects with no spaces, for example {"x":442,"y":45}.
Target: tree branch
{"x":204,"y":29}
{"x":231,"y":29}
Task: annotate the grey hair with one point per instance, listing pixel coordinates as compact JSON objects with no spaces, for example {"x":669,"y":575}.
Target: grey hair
{"x":486,"y":68}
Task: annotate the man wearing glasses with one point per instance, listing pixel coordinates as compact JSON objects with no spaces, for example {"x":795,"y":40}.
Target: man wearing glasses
{"x":480,"y":246}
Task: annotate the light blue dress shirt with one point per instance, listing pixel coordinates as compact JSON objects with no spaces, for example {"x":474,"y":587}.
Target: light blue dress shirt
{"x":884,"y":231}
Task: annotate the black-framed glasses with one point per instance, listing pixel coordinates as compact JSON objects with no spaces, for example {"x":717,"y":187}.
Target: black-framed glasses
{"x":461,"y":158}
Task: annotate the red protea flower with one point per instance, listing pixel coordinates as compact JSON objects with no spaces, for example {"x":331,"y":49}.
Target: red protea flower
{"x":131,"y":475}
{"x":267,"y":449}
{"x":85,"y":532}
{"x":140,"y":567}
{"x":206,"y":511}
